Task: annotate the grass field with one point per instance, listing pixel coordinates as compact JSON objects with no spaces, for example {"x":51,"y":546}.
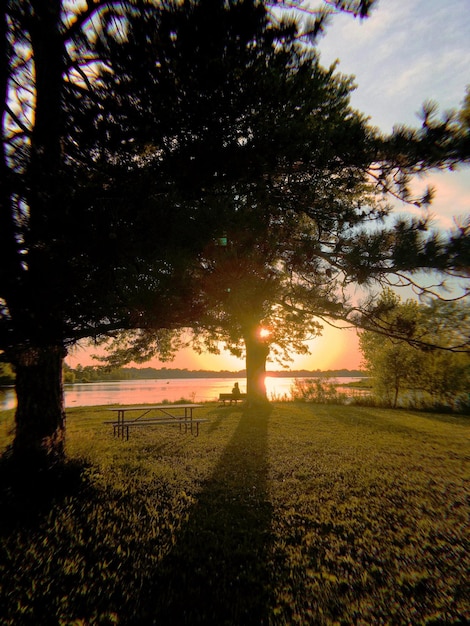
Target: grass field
{"x":304,"y":514}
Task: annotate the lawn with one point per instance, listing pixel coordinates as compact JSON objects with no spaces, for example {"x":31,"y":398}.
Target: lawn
{"x":304,"y":514}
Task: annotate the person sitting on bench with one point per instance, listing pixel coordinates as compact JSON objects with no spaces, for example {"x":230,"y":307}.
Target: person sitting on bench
{"x":234,"y":396}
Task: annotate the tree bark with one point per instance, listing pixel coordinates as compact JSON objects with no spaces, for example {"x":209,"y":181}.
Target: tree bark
{"x":257,"y":352}
{"x":36,"y":301}
{"x":40,"y":413}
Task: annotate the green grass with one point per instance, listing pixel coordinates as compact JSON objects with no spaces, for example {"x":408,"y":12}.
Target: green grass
{"x":306,"y":514}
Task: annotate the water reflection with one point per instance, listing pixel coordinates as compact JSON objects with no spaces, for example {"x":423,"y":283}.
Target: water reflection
{"x":156,"y":391}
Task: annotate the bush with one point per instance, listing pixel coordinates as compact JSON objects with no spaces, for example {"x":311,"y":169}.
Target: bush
{"x":317,"y":390}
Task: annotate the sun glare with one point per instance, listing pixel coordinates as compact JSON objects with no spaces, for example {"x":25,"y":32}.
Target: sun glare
{"x":264,"y":332}
{"x":334,"y":349}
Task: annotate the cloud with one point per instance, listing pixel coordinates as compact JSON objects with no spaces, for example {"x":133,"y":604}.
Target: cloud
{"x":452,"y":197}
{"x":404,"y":54}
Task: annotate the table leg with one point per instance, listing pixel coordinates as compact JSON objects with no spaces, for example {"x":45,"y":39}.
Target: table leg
{"x":121,"y":424}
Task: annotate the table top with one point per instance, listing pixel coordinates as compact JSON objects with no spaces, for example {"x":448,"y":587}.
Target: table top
{"x":148,"y":407}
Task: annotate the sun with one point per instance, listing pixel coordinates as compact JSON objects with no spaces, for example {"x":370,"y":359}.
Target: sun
{"x":264,"y":332}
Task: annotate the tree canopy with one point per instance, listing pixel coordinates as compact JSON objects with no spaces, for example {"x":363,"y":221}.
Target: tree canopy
{"x":303,"y":204}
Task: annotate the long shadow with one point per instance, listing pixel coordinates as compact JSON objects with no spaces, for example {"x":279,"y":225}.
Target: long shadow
{"x":216,"y":573}
{"x":28,"y":493}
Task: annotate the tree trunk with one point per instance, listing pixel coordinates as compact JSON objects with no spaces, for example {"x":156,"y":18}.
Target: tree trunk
{"x":40,"y":413}
{"x":257,"y":352}
{"x":36,"y":302}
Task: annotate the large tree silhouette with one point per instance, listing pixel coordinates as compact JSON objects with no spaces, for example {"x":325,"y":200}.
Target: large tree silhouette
{"x":302,"y":194}
{"x":93,"y":232}
{"x":98,"y":216}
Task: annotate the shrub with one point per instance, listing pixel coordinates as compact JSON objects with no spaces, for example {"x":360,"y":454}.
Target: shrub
{"x":317,"y":390}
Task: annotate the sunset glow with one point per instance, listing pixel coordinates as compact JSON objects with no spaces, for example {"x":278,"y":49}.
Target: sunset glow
{"x":334,"y":349}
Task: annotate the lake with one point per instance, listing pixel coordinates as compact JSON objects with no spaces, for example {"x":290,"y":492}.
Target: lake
{"x":155,"y":391}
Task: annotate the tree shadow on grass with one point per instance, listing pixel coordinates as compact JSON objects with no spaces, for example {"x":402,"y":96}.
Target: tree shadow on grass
{"x":217,"y":573}
{"x":218,"y":416}
{"x":28,"y":493}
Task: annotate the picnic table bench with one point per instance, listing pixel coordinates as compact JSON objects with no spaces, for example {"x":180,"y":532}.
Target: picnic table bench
{"x":225,"y":397}
{"x":172,"y":414}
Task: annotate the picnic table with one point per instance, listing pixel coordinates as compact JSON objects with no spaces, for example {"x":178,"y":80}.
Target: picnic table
{"x":169,"y":414}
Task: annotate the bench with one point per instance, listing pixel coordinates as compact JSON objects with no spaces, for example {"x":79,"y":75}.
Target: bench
{"x":225,"y":397}
{"x":121,"y":428}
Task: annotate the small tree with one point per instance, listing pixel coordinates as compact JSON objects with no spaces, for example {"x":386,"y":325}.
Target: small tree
{"x":392,"y":363}
{"x":445,"y":374}
{"x":415,"y":357}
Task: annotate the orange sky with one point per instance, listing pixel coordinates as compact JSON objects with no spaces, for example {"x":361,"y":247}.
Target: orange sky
{"x":335,"y":349}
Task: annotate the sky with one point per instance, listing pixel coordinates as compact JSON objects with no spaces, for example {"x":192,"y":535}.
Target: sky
{"x":406,"y":53}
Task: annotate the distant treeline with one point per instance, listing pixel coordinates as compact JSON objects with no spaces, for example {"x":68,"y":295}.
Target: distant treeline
{"x":91,"y":373}
{"x":96,"y":374}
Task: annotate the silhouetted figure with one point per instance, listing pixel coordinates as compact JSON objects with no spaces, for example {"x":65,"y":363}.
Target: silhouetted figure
{"x":236,"y":391}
